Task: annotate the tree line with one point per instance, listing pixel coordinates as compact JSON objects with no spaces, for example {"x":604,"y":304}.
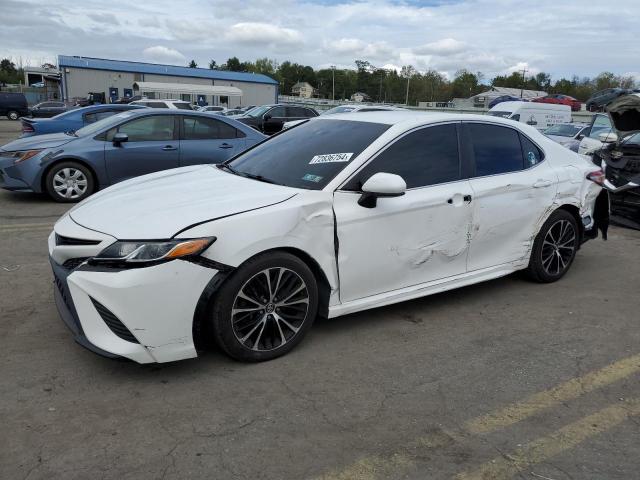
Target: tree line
{"x":388,"y":85}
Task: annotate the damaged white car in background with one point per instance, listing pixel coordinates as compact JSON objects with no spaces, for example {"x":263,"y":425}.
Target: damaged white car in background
{"x":340,"y":214}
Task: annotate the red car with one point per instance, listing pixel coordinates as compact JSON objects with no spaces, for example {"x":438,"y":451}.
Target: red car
{"x":560,"y":100}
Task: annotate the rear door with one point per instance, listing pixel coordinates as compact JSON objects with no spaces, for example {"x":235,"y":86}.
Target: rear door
{"x":153,"y":145}
{"x":512,"y":187}
{"x":208,"y":140}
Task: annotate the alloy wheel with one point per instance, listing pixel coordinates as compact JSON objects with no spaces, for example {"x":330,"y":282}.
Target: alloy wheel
{"x":270,"y":309}
{"x":70,"y":183}
{"x":558,"y":247}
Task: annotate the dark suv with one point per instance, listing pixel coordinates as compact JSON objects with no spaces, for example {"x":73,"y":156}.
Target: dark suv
{"x":269,"y":119}
{"x":13,"y":105}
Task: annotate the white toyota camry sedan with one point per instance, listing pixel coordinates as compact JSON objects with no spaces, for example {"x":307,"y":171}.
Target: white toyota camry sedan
{"x":336,"y":215}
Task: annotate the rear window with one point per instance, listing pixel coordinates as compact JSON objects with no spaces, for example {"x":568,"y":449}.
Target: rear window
{"x":183,"y":106}
{"x":310,"y":155}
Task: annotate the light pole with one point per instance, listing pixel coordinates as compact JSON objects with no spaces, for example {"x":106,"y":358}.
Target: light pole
{"x":333,"y":82}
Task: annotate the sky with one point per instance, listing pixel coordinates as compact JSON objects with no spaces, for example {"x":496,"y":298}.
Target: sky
{"x":560,"y":37}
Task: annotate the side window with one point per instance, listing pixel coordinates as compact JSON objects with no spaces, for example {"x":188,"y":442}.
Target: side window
{"x":425,"y":157}
{"x":94,"y":117}
{"x":196,"y":128}
{"x":601,"y":124}
{"x":147,"y":129}
{"x":531,"y":153}
{"x":496,"y":149}
{"x":295,"y":112}
{"x":309,"y":113}
{"x":277,"y":112}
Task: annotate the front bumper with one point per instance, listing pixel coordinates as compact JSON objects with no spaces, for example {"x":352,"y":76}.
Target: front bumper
{"x":143,"y":314}
{"x":20,"y":177}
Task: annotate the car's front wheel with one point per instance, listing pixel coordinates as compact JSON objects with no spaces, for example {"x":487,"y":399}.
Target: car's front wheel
{"x":265,"y":308}
{"x":13,"y":115}
{"x":554,"y":248}
{"x":69,"y":182}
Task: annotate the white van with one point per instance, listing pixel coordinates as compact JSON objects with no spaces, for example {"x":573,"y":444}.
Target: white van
{"x":538,"y":115}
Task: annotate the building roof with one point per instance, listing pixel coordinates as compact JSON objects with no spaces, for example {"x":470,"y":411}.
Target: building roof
{"x":178,"y":88}
{"x":158,"y":69}
{"x":301,"y":84}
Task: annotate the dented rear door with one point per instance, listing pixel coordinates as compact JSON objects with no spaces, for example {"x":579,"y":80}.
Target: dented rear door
{"x":513,"y":190}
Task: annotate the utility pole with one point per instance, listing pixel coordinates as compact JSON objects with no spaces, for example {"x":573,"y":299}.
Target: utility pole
{"x":406,"y":100}
{"x":333,"y":77}
{"x":524,"y":71}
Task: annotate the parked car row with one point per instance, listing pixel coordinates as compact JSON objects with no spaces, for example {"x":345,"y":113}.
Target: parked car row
{"x":131,"y":141}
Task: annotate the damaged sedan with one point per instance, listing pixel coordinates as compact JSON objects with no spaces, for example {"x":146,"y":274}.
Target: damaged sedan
{"x":340,"y":214}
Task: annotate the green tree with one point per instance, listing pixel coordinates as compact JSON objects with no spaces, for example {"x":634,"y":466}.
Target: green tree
{"x":465,"y":84}
{"x":212,"y":64}
{"x":193,"y":64}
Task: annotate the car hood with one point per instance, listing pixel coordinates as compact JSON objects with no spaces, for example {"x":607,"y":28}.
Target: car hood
{"x":37,"y":142}
{"x":624,"y":112}
{"x":159,"y":205}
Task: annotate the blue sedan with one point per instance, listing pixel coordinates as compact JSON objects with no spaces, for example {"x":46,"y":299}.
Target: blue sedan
{"x":71,"y":120}
{"x":71,"y":166}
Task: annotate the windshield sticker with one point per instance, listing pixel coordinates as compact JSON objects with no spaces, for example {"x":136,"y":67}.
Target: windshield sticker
{"x":311,"y":178}
{"x":331,"y":158}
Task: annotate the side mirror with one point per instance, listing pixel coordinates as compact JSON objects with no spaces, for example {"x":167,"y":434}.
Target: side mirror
{"x":580,"y":137}
{"x":608,"y":137}
{"x":266,"y":117}
{"x":381,"y":185}
{"x":119,"y":138}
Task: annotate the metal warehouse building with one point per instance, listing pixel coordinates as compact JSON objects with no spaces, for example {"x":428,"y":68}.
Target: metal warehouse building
{"x":116,"y":79}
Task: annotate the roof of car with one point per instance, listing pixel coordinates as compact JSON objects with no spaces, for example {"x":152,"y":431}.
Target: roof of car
{"x":409,"y":119}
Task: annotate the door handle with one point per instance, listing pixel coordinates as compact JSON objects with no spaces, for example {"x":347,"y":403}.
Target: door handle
{"x":167,"y":148}
{"x":542,"y":183}
{"x":225,"y":145}
{"x":465,"y":198}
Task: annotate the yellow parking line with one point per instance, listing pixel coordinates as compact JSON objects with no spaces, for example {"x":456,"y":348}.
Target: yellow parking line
{"x":542,"y":449}
{"x":561,"y":393}
{"x":378,"y":466}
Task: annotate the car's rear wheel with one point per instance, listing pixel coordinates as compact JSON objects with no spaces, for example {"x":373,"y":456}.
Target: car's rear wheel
{"x":69,"y":182}
{"x":554,"y":248}
{"x":265,"y":308}
{"x":13,"y":115}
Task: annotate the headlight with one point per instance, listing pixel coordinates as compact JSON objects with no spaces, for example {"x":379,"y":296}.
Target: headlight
{"x":140,"y":253}
{"x":21,"y":156}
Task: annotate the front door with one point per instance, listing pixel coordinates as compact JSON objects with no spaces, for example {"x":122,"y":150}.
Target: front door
{"x":409,"y":240}
{"x":513,"y":187}
{"x":208,"y":140}
{"x":152,"y":146}
{"x":273,"y":120}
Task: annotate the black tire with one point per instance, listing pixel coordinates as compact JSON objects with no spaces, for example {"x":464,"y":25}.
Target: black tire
{"x":232,"y":331}
{"x":554,"y":248}
{"x":55,"y":187}
{"x":13,"y":115}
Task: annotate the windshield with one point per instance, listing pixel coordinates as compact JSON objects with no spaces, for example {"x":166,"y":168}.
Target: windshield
{"x":564,"y":130}
{"x":103,"y":124}
{"x":258,"y":111}
{"x":310,"y":155}
{"x":499,"y":114}
{"x":340,"y":109}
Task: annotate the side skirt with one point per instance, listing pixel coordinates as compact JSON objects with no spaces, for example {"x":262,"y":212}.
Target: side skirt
{"x":423,"y":289}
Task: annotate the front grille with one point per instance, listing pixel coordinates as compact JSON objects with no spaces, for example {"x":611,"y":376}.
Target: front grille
{"x":115,"y":325}
{"x":73,"y":263}
{"x":60,"y":240}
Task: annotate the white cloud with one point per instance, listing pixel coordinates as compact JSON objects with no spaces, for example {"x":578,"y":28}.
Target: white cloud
{"x":358,"y":49}
{"x":160,"y":53}
{"x":446,"y":46}
{"x":256,"y":33}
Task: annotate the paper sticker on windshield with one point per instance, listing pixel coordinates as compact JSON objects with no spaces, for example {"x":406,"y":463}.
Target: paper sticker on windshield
{"x":312,"y":178}
{"x":331,"y":158}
